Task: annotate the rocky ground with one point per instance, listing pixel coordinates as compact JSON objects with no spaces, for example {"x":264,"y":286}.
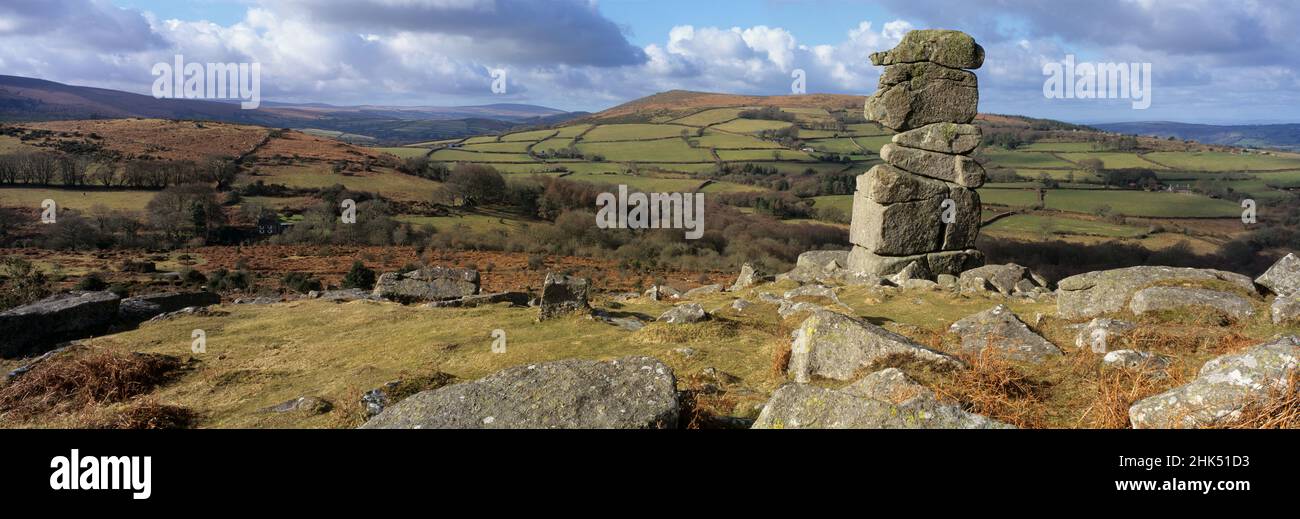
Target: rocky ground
{"x":814,"y":347}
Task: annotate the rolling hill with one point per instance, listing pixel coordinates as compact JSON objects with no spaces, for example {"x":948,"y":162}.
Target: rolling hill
{"x":1282,"y":136}
{"x":28,"y":99}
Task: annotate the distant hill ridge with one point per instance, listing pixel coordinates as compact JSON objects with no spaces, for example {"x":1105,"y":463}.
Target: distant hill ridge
{"x":1283,"y":136}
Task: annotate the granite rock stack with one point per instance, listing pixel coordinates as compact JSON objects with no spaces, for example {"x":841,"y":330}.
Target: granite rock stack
{"x":920,"y":207}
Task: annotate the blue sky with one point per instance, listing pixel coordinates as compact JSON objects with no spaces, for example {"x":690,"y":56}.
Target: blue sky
{"x":1214,"y":61}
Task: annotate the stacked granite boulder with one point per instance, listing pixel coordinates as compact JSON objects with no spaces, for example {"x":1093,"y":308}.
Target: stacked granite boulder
{"x":920,"y":207}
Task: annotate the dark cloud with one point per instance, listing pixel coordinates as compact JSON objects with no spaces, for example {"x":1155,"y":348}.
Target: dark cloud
{"x":78,"y":23}
{"x":568,"y":32}
{"x":1227,"y":32}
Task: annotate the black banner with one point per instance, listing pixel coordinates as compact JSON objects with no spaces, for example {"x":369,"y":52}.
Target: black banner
{"x":161,"y":469}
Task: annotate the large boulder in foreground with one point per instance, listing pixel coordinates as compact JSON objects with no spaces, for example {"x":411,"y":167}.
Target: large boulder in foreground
{"x":836,"y":346}
{"x":1225,"y":386}
{"x":1158,"y":299}
{"x":1283,"y":278}
{"x":886,"y":399}
{"x":563,"y":295}
{"x":427,"y":284}
{"x":999,"y":331}
{"x":144,"y":307}
{"x":37,"y":327}
{"x":627,"y":393}
{"x":1107,"y":291}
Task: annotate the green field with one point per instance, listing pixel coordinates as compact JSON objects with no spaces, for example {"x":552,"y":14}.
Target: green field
{"x":405,"y":152}
{"x":1021,"y":224}
{"x":451,"y":155}
{"x":723,"y":141}
{"x":1220,"y":161}
{"x":635,"y":132}
{"x":1128,"y":203}
{"x":840,"y":145}
{"x":753,"y":155}
{"x":1112,"y":160}
{"x":1059,"y":146}
{"x":500,"y":147}
{"x":708,"y":117}
{"x":1016,"y":159}
{"x":532,"y":136}
{"x":665,"y":150}
{"x":751,"y":125}
{"x":79,"y":199}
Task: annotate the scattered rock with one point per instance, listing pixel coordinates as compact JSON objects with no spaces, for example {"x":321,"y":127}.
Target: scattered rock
{"x":662,"y":292}
{"x":260,"y":300}
{"x":948,"y":281}
{"x":144,"y":307}
{"x":748,"y":277}
{"x":514,"y":298}
{"x":1283,"y":278}
{"x":562,"y":295}
{"x":427,"y":284}
{"x":1285,"y":309}
{"x":819,"y":266}
{"x":684,"y":314}
{"x":1133,"y":359}
{"x":628,"y":393}
{"x":1009,"y":279}
{"x":1157,"y":299}
{"x":885,"y":399}
{"x":686,"y":353}
{"x":999,"y":330}
{"x":343,"y":295}
{"x":627,"y":323}
{"x":1108,"y":291}
{"x":375,"y":400}
{"x":740,"y":305}
{"x":789,"y":308}
{"x":836,"y":346}
{"x":196,"y":311}
{"x":1224,"y":386}
{"x":37,"y":327}
{"x":702,"y":291}
{"x":812,"y":291}
{"x":302,"y":404}
{"x":1098,"y":334}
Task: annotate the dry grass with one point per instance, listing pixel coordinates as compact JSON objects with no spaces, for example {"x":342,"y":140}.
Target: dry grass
{"x":84,"y":377}
{"x":998,"y":389}
{"x":146,"y":414}
{"x":1279,"y":410}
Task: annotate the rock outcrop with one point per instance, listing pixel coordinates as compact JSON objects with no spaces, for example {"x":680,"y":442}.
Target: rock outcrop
{"x":999,"y":331}
{"x":920,"y":207}
{"x":886,"y":399}
{"x":684,"y":314}
{"x":627,"y":393}
{"x":1010,"y":279}
{"x":1107,"y":291}
{"x":1100,"y":334}
{"x":37,"y":327}
{"x":749,"y":276}
{"x":563,"y":295}
{"x":1224,"y":386}
{"x":1283,"y":278}
{"x":1158,"y":299}
{"x":835,"y":346}
{"x":141,"y":308}
{"x":427,"y":284}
